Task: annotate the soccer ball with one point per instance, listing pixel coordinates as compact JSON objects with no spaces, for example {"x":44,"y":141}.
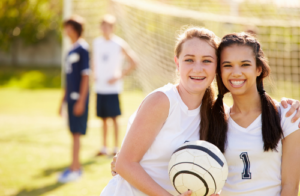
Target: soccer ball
{"x":199,"y":166}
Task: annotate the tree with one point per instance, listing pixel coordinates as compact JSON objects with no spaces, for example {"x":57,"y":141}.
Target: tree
{"x":28,"y":21}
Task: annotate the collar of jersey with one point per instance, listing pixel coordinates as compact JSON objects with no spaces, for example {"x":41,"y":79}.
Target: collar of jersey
{"x":247,"y":129}
{"x":79,"y":42}
{"x":183,"y":106}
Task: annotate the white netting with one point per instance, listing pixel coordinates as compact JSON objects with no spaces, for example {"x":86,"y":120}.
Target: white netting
{"x":92,"y":11}
{"x":150,"y":27}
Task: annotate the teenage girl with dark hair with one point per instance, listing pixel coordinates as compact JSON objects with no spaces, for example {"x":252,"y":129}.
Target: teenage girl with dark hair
{"x":260,"y":143}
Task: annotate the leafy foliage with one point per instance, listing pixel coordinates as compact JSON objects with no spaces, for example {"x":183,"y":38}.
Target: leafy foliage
{"x":28,"y":20}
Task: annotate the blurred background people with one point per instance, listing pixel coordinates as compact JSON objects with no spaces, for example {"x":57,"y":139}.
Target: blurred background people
{"x":109,"y":51}
{"x":76,"y":92}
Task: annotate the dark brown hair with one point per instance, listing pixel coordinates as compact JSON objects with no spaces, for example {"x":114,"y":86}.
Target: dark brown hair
{"x":76,"y":22}
{"x":208,"y":98}
{"x":271,"y":128}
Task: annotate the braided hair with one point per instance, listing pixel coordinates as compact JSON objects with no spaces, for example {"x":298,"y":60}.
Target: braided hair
{"x":271,"y":128}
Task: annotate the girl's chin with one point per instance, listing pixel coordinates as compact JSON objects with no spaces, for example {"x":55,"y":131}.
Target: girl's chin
{"x":198,"y":89}
{"x":236,"y":92}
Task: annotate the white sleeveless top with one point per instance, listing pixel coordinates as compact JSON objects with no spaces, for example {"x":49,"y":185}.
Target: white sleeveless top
{"x":108,"y":60}
{"x":181,"y":125}
{"x":251,"y":170}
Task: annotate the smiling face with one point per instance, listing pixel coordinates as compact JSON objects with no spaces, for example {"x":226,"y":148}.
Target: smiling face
{"x":239,"y":70}
{"x":196,"y":64}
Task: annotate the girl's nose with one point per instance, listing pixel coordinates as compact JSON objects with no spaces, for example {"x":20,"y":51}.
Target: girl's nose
{"x":236,"y":71}
{"x":198,"y":67}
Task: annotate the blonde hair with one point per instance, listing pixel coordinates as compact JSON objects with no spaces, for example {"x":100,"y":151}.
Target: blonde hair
{"x":108,"y":19}
{"x":201,"y":33}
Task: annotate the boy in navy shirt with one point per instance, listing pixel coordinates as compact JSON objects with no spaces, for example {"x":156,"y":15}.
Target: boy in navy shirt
{"x":76,"y":92}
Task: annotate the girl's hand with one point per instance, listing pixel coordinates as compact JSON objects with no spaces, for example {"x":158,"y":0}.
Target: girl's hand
{"x":294,"y":107}
{"x":113,"y":165}
{"x":188,"y":193}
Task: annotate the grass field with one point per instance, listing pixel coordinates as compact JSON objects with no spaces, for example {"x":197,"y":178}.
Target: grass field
{"x":35,"y":144}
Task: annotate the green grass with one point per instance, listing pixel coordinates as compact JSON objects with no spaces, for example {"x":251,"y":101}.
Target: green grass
{"x":35,"y":144}
{"x":30,"y":77}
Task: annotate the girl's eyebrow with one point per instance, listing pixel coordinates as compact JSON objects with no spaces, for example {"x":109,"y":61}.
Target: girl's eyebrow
{"x":189,"y":55}
{"x":208,"y":56}
{"x":241,"y":61}
{"x":246,"y":61}
{"x":203,"y":56}
{"x":225,"y":62}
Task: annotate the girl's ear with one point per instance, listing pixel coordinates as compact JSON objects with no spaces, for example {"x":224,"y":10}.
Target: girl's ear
{"x":176,"y":62}
{"x":258,"y":71}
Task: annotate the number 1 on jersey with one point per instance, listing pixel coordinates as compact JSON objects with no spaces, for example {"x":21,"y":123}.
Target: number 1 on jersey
{"x":246,"y":172}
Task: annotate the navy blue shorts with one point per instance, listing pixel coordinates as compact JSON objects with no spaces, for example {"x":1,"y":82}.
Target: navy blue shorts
{"x":108,"y":105}
{"x":77,"y":124}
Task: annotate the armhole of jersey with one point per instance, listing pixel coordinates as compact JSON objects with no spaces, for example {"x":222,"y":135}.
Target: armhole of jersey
{"x":151,"y":94}
{"x":170,"y":101}
{"x":163,"y":90}
{"x":120,"y":42}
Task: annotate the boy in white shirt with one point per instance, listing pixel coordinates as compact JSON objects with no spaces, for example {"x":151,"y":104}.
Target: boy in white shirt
{"x":108,"y":55}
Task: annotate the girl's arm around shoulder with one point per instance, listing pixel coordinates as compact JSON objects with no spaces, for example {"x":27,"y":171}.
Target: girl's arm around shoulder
{"x":290,"y":164}
{"x":148,"y":122}
{"x":295,"y":104}
{"x":288,"y":124}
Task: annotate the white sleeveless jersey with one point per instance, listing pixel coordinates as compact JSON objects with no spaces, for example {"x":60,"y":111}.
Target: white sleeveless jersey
{"x":251,"y":170}
{"x":108,"y":60}
{"x":181,"y":125}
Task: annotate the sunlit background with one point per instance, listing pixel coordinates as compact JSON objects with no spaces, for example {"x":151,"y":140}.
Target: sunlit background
{"x":35,"y":142}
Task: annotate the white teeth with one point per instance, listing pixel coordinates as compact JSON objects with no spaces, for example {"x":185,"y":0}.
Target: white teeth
{"x":237,"y":82}
{"x":198,"y":78}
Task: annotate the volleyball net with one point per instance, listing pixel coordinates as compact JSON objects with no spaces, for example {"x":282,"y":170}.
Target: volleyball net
{"x":151,"y":26}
